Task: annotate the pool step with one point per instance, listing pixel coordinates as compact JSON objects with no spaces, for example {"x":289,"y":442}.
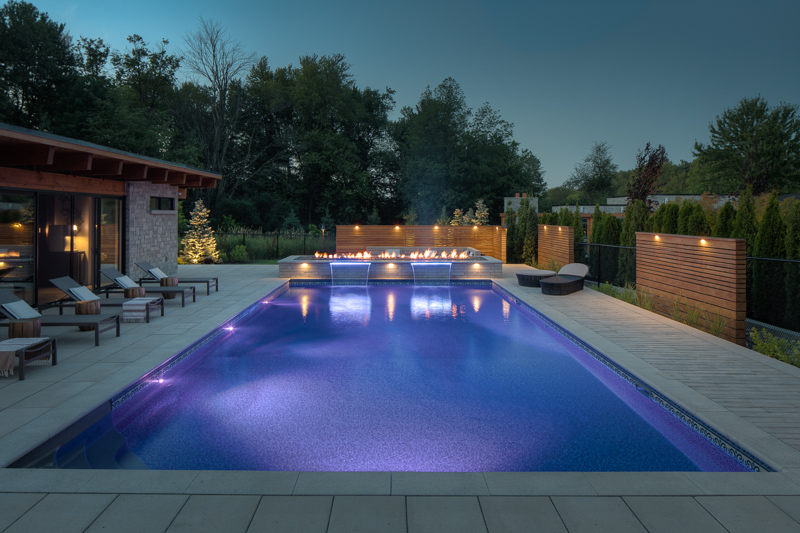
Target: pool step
{"x":100,"y":446}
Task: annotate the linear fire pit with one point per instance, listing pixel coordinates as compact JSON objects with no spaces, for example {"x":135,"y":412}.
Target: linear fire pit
{"x":392,"y":264}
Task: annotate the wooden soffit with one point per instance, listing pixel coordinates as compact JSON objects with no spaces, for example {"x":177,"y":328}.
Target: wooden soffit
{"x":43,"y":157}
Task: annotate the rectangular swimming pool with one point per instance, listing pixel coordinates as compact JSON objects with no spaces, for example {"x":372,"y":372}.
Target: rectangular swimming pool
{"x":391,"y":378}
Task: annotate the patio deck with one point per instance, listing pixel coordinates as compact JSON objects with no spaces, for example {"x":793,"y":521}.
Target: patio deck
{"x":750,"y":398}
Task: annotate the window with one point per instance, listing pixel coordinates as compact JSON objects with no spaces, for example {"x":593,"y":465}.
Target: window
{"x":162,"y":204}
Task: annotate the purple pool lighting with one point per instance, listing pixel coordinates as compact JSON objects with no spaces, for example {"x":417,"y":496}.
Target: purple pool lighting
{"x":402,"y":378}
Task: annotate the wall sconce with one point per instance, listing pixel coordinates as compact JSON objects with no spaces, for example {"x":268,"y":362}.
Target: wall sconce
{"x":397,"y":227}
{"x":356,"y":227}
{"x":304,"y":265}
{"x":702,"y":241}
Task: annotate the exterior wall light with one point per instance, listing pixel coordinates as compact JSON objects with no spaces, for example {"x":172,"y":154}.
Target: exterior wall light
{"x":304,"y":265}
{"x":397,"y":227}
{"x":356,"y":227}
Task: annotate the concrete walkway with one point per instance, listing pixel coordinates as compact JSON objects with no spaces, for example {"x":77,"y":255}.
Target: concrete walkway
{"x":750,"y":398}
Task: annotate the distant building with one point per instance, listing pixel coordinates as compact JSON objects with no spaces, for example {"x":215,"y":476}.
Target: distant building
{"x":514,"y":202}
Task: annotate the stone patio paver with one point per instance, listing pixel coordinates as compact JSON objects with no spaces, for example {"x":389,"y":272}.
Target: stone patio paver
{"x":753,"y":399}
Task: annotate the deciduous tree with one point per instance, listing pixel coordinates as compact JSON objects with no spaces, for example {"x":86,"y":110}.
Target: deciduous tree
{"x":596,"y":174}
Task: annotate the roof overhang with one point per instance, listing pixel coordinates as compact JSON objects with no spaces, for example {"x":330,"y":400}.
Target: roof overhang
{"x":29,"y":150}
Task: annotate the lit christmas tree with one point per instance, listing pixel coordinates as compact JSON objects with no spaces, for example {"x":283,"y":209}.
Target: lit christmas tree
{"x":199,"y":245}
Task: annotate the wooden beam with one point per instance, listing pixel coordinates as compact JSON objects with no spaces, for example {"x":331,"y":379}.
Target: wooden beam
{"x":69,"y":161}
{"x":14,"y":154}
{"x":194,"y":181}
{"x":176,"y":178}
{"x":134,"y":172}
{"x":45,"y":181}
{"x":209,"y":183}
{"x":104,"y":167}
{"x":157,"y":175}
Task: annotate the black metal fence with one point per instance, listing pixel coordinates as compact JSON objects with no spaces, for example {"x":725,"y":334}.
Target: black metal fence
{"x":773,"y":292}
{"x":275,"y":245}
{"x":608,"y":263}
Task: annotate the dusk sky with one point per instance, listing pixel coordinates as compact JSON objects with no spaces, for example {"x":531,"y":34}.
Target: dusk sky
{"x":566,"y":74}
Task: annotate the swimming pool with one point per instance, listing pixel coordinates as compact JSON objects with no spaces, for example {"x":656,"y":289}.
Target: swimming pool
{"x":393,"y":378}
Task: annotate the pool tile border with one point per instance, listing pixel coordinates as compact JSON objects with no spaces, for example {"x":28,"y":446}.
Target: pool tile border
{"x":716,"y":438}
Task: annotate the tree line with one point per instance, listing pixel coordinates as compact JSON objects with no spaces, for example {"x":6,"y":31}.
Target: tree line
{"x":751,"y":145}
{"x":296,"y":145}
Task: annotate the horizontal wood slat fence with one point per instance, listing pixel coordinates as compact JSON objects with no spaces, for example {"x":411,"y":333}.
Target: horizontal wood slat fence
{"x":556,"y":243}
{"x":695,"y":279}
{"x":490,"y":240}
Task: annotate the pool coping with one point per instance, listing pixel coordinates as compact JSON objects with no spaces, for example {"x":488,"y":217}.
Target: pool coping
{"x":783,"y":482}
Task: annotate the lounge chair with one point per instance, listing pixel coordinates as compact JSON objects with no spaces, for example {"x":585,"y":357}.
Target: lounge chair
{"x":156,"y":275}
{"x":29,"y":350}
{"x":15,"y":309}
{"x":124,"y":282}
{"x":569,"y":279}
{"x":78,"y":293}
{"x":532,"y":277}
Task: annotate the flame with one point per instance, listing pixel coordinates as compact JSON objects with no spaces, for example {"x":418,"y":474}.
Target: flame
{"x":427,"y":254}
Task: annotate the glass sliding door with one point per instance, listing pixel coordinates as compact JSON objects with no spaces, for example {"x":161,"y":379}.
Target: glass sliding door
{"x":16,"y":244}
{"x":109,"y":238}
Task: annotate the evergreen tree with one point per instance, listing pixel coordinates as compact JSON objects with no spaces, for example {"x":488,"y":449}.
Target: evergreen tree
{"x":792,"y":286}
{"x":685,"y":213}
{"x":657,"y":218}
{"x":724,"y":226}
{"x":520,"y":229}
{"x":511,"y":223}
{"x":793,"y":231}
{"x":768,"y":295}
{"x":577,"y":233}
{"x":771,"y":235}
{"x":481,"y":214}
{"x":636,"y":216}
{"x":199,"y":244}
{"x":594,"y":235}
{"x":529,"y":248}
{"x":697,"y":223}
{"x":669,"y":222}
{"x":458,"y":217}
{"x":565,"y":217}
{"x":609,"y":261}
{"x":745,"y":225}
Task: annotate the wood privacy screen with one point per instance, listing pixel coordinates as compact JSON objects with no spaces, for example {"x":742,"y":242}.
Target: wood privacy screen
{"x":490,"y":240}
{"x":556,"y":243}
{"x":699,"y":280}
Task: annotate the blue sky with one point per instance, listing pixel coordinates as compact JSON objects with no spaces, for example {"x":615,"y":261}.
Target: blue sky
{"x":566,"y":74}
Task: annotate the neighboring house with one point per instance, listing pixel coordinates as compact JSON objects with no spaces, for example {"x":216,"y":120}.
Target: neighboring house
{"x":514,"y":203}
{"x":69,"y":208}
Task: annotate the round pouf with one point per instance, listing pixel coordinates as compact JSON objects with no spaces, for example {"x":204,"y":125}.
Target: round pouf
{"x":134,"y":292}
{"x":168,"y":282}
{"x":30,"y":327}
{"x":88,"y":307}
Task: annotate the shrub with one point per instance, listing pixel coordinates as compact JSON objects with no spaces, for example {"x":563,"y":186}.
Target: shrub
{"x":239,"y":254}
{"x":784,"y":350}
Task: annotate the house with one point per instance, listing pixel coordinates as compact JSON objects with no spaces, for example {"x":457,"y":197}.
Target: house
{"x":70,"y":208}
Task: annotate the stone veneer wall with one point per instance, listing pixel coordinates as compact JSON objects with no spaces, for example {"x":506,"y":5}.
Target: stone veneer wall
{"x":152,"y":236}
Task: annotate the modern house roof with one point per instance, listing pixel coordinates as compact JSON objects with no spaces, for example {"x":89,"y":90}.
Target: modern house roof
{"x":46,"y":153}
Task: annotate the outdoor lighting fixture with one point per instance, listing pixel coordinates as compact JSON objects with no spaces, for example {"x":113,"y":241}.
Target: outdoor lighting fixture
{"x":657,"y":237}
{"x":702,"y":241}
{"x":229,"y":328}
{"x":474,"y":227}
{"x":390,"y":265}
{"x":545,"y":227}
{"x":436,"y":227}
{"x":397,"y":227}
{"x":304,"y":265}
{"x":475,"y":265}
{"x":356,"y":227}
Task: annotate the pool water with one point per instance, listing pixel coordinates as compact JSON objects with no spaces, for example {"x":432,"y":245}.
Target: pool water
{"x":402,"y":378}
